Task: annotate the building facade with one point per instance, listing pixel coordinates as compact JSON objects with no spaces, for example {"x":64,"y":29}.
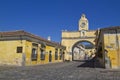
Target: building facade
{"x":23,"y":48}
{"x":79,"y":44}
{"x":108,"y":47}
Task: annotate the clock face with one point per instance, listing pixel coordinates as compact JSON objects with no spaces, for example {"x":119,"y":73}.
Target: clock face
{"x":83,"y":24}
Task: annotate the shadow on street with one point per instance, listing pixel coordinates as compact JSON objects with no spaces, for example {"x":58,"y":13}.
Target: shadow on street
{"x":92,"y":63}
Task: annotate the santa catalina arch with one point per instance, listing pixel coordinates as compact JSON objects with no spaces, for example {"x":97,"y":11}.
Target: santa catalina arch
{"x":79,"y":44}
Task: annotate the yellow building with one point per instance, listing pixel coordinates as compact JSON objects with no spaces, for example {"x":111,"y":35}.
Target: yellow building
{"x":79,"y":44}
{"x":108,"y":47}
{"x":23,"y":48}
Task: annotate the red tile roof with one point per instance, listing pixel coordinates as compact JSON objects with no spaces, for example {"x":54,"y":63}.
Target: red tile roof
{"x":23,"y":33}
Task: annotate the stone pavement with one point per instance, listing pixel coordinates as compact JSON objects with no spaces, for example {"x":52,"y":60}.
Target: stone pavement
{"x":58,"y":71}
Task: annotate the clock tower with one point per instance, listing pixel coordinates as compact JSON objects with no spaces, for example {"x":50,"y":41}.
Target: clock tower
{"x":83,"y":23}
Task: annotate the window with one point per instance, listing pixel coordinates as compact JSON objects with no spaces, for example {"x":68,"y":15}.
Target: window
{"x":56,"y":54}
{"x":42,"y":55}
{"x":19,"y":49}
{"x":83,"y":33}
{"x":34,"y":54}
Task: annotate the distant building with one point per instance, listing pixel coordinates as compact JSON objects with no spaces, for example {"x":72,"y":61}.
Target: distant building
{"x":79,"y":44}
{"x":23,"y":48}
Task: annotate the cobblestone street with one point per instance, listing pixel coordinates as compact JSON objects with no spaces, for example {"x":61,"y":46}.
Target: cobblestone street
{"x":58,"y":71}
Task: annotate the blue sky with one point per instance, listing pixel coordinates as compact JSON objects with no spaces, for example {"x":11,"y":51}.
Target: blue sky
{"x":49,"y":17}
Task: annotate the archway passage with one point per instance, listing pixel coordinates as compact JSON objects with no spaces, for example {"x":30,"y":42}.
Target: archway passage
{"x":82,"y":50}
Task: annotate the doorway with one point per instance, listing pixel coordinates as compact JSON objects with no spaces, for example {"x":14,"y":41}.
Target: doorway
{"x":50,"y":56}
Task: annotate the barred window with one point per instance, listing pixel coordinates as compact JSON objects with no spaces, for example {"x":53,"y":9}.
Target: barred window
{"x":34,"y":54}
{"x":19,"y":49}
{"x":42,"y":55}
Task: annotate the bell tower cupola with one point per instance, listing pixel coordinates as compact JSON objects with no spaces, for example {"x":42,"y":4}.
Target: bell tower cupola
{"x":83,"y":23}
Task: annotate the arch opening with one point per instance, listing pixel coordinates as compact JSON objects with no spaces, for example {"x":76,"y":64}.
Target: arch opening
{"x":83,"y":50}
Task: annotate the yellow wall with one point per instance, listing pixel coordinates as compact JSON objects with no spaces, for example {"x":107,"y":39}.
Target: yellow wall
{"x":8,"y":52}
{"x":70,"y":34}
{"x":9,"y":55}
{"x":112,"y":46}
{"x":118,"y":46}
{"x":90,"y":34}
{"x":39,"y":61}
{"x":49,"y":48}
